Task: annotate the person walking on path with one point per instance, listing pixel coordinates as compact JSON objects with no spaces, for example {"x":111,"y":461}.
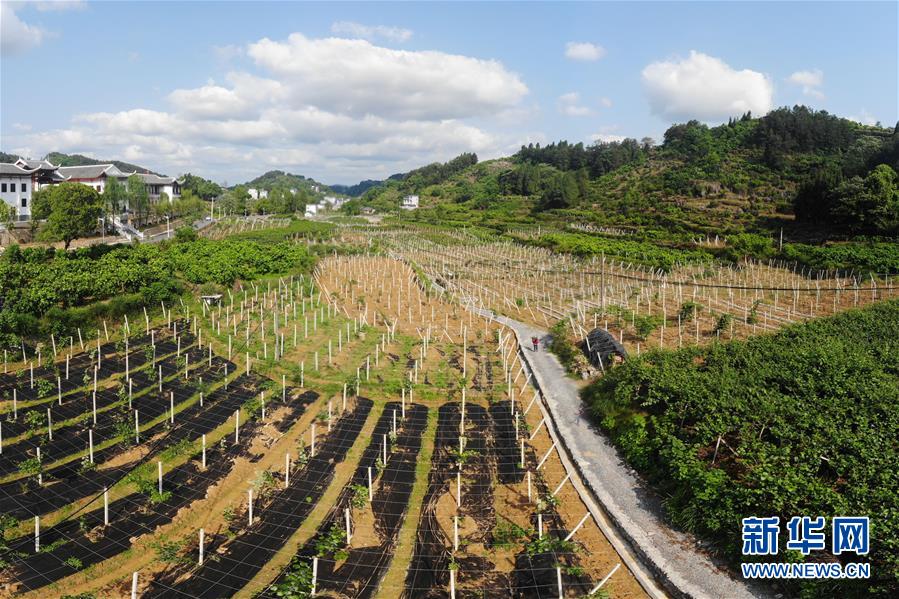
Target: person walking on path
{"x":536,"y":343}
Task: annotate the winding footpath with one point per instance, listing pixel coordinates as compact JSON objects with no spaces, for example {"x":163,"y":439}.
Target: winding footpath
{"x":676,"y":559}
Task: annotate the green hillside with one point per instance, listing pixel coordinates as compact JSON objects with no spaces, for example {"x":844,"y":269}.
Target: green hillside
{"x":283,"y":180}
{"x":827,"y":184}
{"x":794,"y":169}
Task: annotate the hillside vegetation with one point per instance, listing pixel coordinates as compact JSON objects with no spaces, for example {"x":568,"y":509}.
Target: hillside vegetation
{"x":818,"y":178}
{"x":45,"y":291}
{"x":797,"y":423}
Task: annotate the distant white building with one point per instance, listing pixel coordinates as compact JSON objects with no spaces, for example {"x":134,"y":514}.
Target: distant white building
{"x":311,"y":209}
{"x":258,"y":194}
{"x":410,"y":202}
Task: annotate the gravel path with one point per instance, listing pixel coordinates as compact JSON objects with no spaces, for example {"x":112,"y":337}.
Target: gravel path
{"x":676,"y":558}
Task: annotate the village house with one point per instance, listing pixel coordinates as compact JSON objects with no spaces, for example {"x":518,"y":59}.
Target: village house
{"x":18,"y":180}
{"x":410,"y":202}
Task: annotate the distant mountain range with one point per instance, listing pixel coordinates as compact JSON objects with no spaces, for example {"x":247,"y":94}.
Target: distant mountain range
{"x":359,"y":188}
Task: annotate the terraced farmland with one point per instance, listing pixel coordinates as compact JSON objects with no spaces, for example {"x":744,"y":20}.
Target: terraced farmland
{"x":350,"y":433}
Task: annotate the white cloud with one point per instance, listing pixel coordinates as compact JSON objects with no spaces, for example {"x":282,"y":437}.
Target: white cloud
{"x":705,"y":88}
{"x":607,"y":137}
{"x":332,"y":108}
{"x":357,"y":77}
{"x":864,"y":117}
{"x":226,"y":52}
{"x":584,"y":51}
{"x":811,"y":81}
{"x":15,"y":34}
{"x":605,"y":102}
{"x":372,"y":32}
{"x":570,"y":105}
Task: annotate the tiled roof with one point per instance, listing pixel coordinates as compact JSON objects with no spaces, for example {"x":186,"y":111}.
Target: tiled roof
{"x":8,"y":168}
{"x":33,"y":164}
{"x":91,"y":171}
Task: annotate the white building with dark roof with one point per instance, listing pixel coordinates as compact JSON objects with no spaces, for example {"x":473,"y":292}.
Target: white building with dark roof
{"x":93,"y":175}
{"x":16,"y":185}
{"x":18,"y":180}
{"x":96,"y":176}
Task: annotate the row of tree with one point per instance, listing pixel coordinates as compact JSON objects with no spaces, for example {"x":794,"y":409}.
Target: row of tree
{"x":598,"y":158}
{"x":437,"y":172}
{"x":280,"y":200}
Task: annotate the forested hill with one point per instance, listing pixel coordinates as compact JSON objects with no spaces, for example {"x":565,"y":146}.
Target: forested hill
{"x":810,"y":173}
{"x":60,"y":159}
{"x":359,"y":188}
{"x":281,"y":180}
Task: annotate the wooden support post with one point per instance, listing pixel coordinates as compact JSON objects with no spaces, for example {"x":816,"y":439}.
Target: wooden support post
{"x":559,"y":488}
{"x":576,"y":528}
{"x":606,"y":579}
{"x":349,"y":532}
{"x":545,"y":457}
{"x":314,"y":576}
{"x":286,"y":470}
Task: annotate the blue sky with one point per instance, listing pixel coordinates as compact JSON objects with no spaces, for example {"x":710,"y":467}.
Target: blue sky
{"x":346,"y":91}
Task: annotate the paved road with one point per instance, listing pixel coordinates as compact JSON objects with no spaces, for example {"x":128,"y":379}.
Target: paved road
{"x":674,"y":557}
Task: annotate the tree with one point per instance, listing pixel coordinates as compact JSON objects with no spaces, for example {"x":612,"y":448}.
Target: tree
{"x":870,"y":204}
{"x":204,"y":188}
{"x":115,"y":195}
{"x":139,"y":197}
{"x":40,"y":204}
{"x":74,"y":210}
{"x":7,"y":215}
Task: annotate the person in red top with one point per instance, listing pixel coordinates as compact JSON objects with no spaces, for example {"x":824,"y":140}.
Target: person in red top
{"x":536,"y":343}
